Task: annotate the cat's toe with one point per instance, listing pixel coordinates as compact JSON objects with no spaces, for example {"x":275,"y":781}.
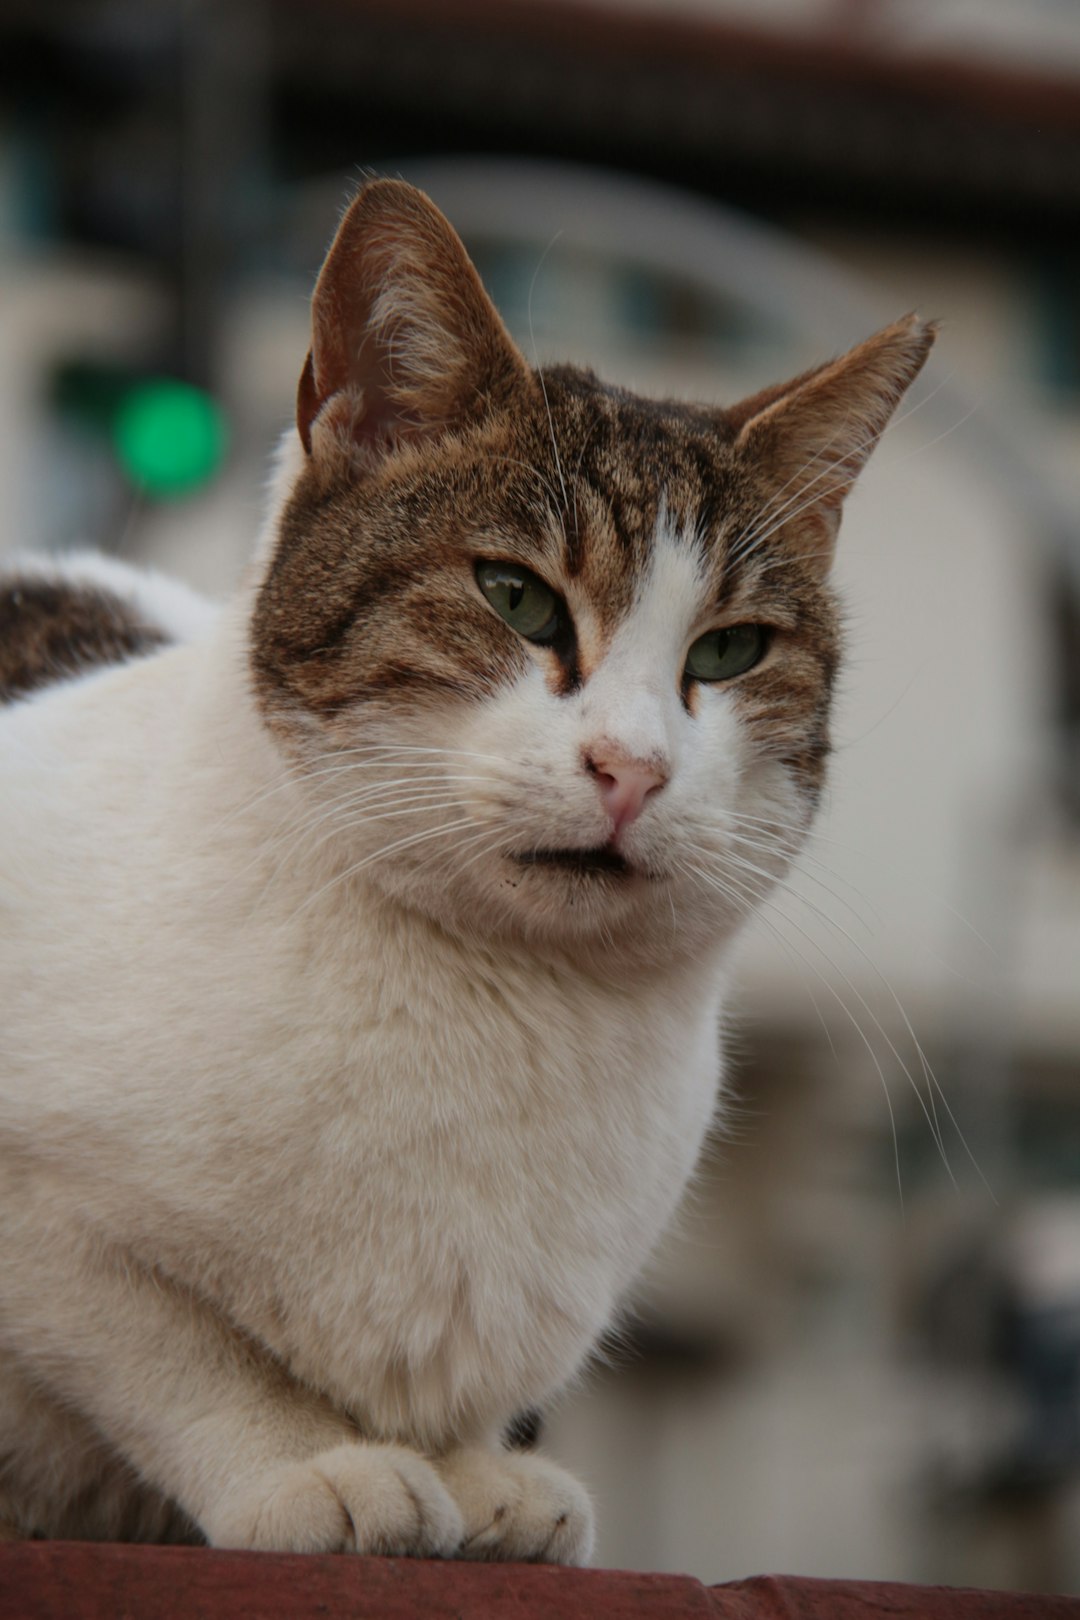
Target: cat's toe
{"x":519,"y":1506}
{"x":353,"y":1498}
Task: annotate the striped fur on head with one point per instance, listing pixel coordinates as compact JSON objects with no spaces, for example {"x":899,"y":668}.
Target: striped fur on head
{"x":429,"y":445}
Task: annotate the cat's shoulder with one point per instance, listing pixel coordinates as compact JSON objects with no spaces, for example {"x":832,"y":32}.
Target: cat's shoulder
{"x":61,"y":618}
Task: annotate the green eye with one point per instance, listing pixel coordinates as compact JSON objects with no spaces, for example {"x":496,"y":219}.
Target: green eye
{"x":528,"y":605}
{"x":721,"y":654}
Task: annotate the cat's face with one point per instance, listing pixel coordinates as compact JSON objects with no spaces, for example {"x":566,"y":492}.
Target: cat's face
{"x":551,"y":659}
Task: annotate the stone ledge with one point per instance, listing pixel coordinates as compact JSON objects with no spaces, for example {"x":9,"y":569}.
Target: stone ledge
{"x":55,"y":1580}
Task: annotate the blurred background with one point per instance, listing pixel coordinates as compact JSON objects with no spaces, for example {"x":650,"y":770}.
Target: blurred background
{"x":860,"y":1354}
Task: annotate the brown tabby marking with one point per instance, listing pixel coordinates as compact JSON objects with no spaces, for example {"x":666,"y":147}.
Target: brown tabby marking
{"x":51,"y":630}
{"x":431,"y":444}
{"x":372,"y":595}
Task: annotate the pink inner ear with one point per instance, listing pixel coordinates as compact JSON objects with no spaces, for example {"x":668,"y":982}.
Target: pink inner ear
{"x":370,"y":413}
{"x":307,"y":403}
{"x":405,"y":341}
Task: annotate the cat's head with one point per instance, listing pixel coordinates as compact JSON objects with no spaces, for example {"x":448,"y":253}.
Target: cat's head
{"x":551,"y":659}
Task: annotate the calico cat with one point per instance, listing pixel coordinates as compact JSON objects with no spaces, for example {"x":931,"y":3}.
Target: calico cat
{"x":362,"y":945}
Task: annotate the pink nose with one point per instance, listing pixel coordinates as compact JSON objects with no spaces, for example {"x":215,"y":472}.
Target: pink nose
{"x":624,"y":782}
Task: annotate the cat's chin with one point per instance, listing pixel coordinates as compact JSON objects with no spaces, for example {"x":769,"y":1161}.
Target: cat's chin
{"x":563,"y":899}
{"x":597,"y":914}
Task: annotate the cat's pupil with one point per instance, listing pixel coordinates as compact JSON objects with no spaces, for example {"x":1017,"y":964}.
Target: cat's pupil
{"x":517,"y":591}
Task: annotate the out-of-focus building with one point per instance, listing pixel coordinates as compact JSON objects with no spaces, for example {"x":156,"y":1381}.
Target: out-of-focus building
{"x":861,"y":1354}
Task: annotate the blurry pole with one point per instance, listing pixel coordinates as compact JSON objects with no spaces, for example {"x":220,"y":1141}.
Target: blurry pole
{"x":222,"y":64}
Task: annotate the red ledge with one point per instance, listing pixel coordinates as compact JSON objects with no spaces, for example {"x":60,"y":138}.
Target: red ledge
{"x":87,"y":1581}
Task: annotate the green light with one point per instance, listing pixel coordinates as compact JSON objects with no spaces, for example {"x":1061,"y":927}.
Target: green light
{"x":170,"y":437}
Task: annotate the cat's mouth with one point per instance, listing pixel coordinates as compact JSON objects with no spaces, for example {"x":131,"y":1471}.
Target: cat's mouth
{"x":591,"y":862}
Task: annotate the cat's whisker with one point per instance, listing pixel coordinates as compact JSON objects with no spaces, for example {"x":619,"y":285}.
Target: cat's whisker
{"x":540,"y":370}
{"x":797,"y":869}
{"x":749,"y":537}
{"x":380,"y":854}
{"x":391,"y":751}
{"x":587,"y":440}
{"x":928,"y":444}
{"x":374,"y":804}
{"x":816,"y":838}
{"x":466,"y":840}
{"x":930,"y":1077}
{"x":333,"y":761}
{"x":744,"y":542}
{"x":499,"y":841}
{"x":350,"y":818}
{"x":403,"y":788}
{"x":933,"y":1084}
{"x":789,"y":511}
{"x":347,"y":789}
{"x":350,"y":823}
{"x":838,"y":998}
{"x":786,"y":948}
{"x":496,"y":843}
{"x":343,"y":803}
{"x":823,"y":916}
{"x":329,"y":764}
{"x":512,"y":461}
{"x":797,"y":831}
{"x":748,"y":892}
{"x":758,"y":532}
{"x":789,"y":844}
{"x":803,"y":861}
{"x":759,"y":538}
{"x":873,"y":439}
{"x":554,"y":445}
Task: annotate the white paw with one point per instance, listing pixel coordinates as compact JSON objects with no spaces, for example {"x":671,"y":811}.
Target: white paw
{"x":518,"y":1506}
{"x":354,"y":1498}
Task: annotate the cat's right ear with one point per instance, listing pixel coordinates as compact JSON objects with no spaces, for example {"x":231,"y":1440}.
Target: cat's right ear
{"x":405,"y":342}
{"x":811,"y":437}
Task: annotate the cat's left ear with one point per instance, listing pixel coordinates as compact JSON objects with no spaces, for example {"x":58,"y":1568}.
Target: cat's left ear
{"x":811,"y":437}
{"x":405,"y":342}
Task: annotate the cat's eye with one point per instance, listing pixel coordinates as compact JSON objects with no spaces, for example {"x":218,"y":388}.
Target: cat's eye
{"x":528,"y":605}
{"x":721,"y":654}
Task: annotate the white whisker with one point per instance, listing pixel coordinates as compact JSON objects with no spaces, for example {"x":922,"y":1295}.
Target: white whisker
{"x":707,"y":878}
{"x":380,"y":854}
{"x":540,"y":370}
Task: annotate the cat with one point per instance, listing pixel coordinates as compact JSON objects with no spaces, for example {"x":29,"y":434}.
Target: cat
{"x":363,"y":943}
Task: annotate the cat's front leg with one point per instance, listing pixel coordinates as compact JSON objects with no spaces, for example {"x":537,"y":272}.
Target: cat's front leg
{"x":517,"y":1505}
{"x":205,"y":1415}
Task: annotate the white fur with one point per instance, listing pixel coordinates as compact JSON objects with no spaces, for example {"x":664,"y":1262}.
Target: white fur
{"x":299,"y":1142}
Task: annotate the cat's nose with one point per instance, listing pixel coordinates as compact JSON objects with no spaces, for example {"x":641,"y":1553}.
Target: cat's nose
{"x":624,"y":781}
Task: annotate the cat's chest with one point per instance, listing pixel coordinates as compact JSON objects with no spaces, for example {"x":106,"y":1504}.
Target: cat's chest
{"x":485,"y":1095}
{"x":483,"y":1158}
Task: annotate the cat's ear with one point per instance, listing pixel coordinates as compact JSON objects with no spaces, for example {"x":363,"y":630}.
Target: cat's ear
{"x":811,"y":437}
{"x":405,"y":342}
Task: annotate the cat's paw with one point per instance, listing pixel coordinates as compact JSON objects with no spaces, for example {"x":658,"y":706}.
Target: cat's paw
{"x":518,"y":1506}
{"x":354,"y":1498}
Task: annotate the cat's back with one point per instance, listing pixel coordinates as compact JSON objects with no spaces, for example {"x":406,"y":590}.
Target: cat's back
{"x":63,"y":620}
{"x":96,"y":660}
